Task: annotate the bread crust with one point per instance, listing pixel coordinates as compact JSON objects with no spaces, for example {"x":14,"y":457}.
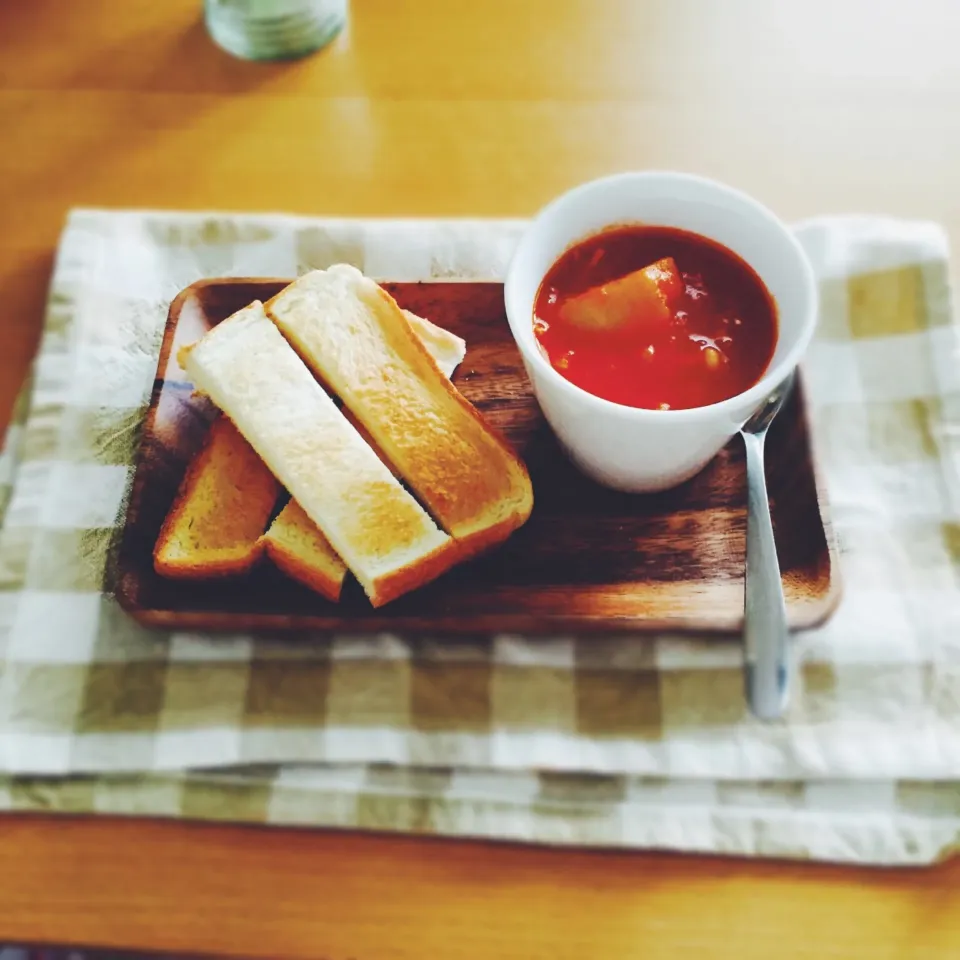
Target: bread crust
{"x":298,"y":547}
{"x":405,"y":579}
{"x":446,"y":348}
{"x":180,"y":551}
{"x":361,"y":345}
{"x":295,"y":544}
{"x":314,"y":564}
{"x":251,"y":373}
{"x":300,"y":568}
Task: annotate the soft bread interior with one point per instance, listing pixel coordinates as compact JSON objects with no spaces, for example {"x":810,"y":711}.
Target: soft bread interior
{"x":293,"y":542}
{"x":215,"y":527}
{"x":296,"y":545}
{"x":360,"y":344}
{"x":250,"y":372}
{"x":224,"y":502}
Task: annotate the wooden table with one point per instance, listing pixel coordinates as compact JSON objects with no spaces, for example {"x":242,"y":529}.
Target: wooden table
{"x":454,"y":108}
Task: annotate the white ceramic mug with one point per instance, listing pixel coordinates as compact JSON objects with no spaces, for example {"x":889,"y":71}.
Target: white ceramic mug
{"x":645,"y":450}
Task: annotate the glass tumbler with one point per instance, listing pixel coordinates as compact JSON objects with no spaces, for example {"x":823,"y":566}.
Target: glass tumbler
{"x":274,"y":29}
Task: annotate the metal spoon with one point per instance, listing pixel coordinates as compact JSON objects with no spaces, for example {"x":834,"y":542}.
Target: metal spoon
{"x":765,"y":635}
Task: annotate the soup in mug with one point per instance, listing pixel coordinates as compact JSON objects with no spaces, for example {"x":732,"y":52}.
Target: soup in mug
{"x":655,"y":317}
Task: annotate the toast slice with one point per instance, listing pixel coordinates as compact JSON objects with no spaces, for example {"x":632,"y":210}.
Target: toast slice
{"x":359,"y":343}
{"x":213,"y":530}
{"x":379,"y":530}
{"x":221,"y":509}
{"x":446,"y":348}
{"x":295,"y":544}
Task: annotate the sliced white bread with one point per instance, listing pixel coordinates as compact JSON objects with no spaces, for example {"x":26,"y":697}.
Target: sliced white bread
{"x":215,"y":526}
{"x":446,"y":348}
{"x":358,"y":342}
{"x":221,"y":509}
{"x":293,"y":542}
{"x":383,"y":535}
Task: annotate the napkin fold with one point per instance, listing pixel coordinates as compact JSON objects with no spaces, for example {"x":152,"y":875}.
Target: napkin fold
{"x":628,"y":741}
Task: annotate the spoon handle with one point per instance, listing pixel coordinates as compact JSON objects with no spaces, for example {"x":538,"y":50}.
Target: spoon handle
{"x":764,"y":613}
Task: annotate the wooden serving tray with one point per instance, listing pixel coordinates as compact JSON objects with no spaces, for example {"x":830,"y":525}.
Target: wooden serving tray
{"x":588,"y":559}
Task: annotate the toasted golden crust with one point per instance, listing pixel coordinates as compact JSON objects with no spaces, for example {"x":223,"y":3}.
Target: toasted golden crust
{"x":409,"y":578}
{"x":299,"y":549}
{"x":221,"y":509}
{"x":446,"y":348}
{"x":360,"y":344}
{"x":293,"y":542}
{"x":302,"y":569}
{"x":251,"y":373}
{"x":482,"y":540}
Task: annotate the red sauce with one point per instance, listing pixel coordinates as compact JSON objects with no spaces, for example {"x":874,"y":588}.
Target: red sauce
{"x":681,"y":334}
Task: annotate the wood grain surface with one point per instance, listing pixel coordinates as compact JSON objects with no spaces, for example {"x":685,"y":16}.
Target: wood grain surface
{"x":360,"y":897}
{"x":479,"y":109}
{"x":588,"y":559}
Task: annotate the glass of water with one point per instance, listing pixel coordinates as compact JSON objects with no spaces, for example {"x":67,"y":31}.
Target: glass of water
{"x":274,"y":29}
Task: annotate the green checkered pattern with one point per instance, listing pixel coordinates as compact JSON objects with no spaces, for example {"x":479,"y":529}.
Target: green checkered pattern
{"x":639,"y":742}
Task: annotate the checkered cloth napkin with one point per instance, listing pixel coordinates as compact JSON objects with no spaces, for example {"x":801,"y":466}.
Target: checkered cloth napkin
{"x":632,"y":741}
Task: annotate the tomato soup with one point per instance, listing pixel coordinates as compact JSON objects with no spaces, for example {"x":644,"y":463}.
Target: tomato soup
{"x":655,"y":317}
